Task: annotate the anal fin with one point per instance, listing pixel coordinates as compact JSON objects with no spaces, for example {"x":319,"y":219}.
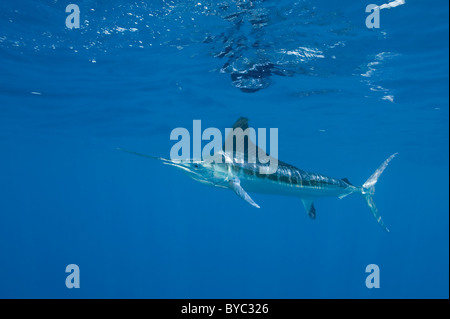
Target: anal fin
{"x":309,"y":207}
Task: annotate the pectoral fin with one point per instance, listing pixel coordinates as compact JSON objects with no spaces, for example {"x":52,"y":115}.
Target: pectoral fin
{"x":309,"y":207}
{"x":235,"y":185}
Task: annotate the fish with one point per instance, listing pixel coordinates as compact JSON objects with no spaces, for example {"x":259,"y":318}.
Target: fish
{"x":244,"y":173}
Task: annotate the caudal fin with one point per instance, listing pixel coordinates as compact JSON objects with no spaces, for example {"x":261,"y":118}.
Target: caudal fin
{"x":368,"y":190}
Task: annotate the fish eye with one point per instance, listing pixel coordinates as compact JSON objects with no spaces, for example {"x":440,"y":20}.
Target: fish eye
{"x":195,"y":165}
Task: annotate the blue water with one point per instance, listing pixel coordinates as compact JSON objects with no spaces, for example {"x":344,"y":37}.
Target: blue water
{"x":343,"y":98}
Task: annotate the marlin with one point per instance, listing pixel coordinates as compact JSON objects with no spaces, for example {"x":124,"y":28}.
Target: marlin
{"x":244,"y":176}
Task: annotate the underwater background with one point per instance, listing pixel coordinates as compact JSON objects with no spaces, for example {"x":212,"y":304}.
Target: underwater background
{"x":343,"y":97}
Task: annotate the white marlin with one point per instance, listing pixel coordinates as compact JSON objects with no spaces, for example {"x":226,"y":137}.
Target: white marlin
{"x":242,"y":176}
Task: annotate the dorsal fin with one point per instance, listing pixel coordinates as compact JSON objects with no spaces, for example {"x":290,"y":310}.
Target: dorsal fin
{"x":250,"y":149}
{"x":241,"y":122}
{"x":345,"y":179}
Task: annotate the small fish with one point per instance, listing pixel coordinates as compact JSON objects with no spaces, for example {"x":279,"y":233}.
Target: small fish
{"x":245,"y":176}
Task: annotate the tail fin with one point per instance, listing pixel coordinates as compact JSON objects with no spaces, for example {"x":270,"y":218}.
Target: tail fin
{"x":368,"y":190}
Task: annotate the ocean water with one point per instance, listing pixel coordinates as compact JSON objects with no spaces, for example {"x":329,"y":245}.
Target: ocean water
{"x":343,"y":97}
